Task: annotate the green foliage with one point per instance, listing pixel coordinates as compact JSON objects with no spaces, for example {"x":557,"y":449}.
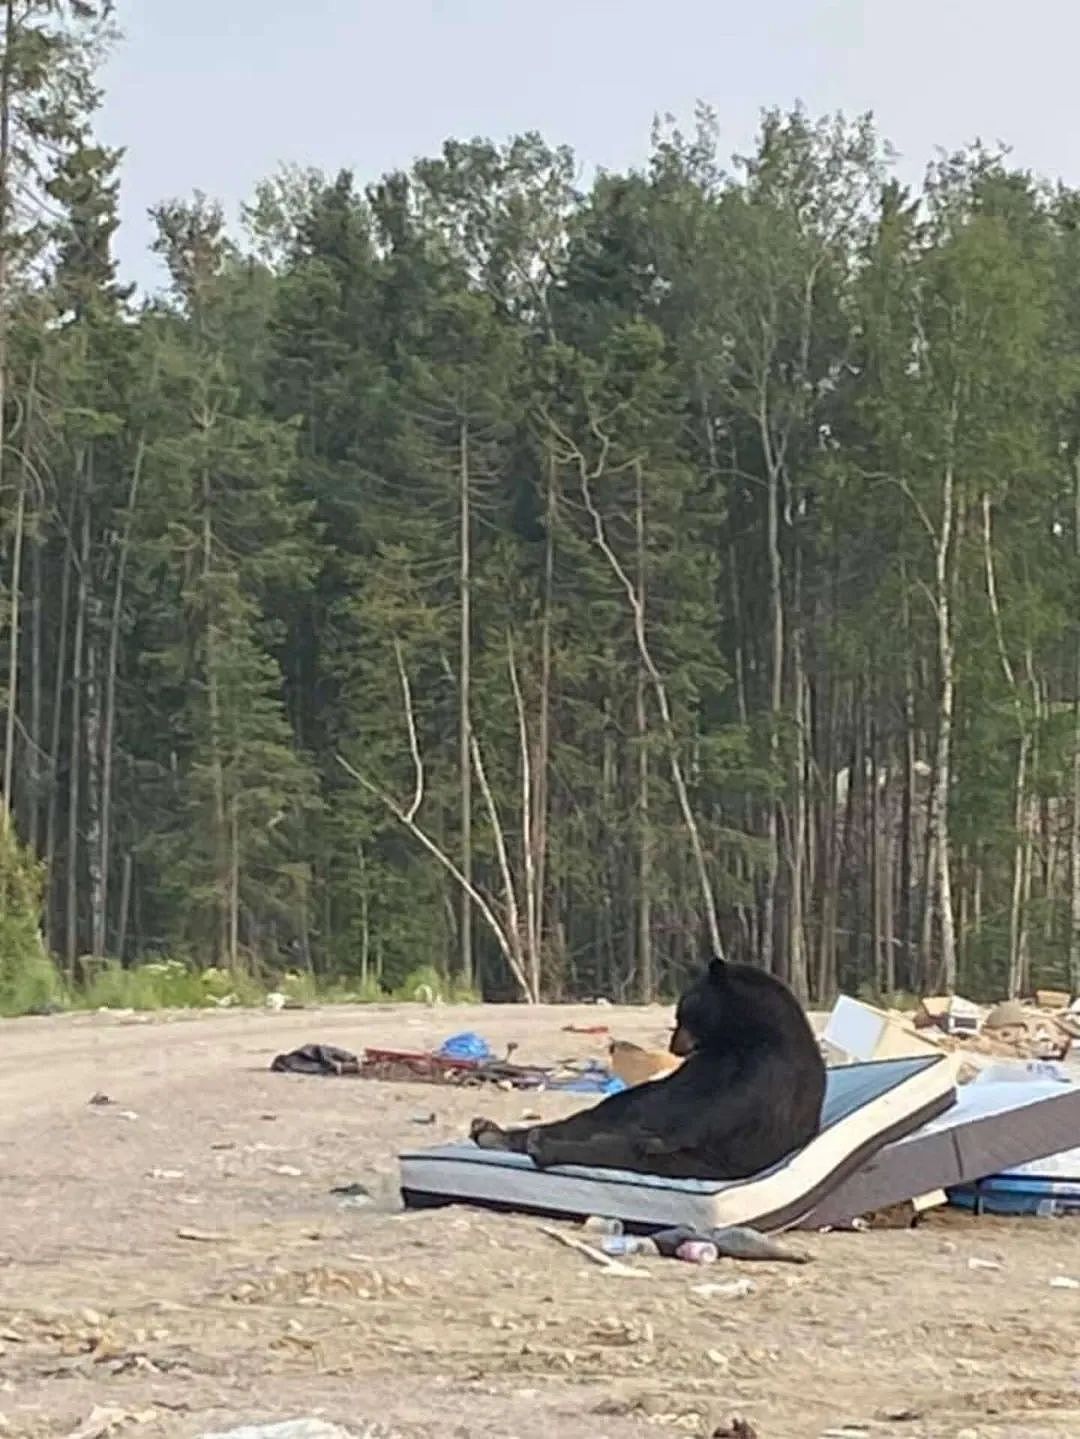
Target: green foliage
{"x":28,"y":979}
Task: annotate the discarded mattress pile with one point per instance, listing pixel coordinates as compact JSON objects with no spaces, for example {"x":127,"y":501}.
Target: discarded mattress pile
{"x":462,"y":1060}
{"x":895,"y":1129}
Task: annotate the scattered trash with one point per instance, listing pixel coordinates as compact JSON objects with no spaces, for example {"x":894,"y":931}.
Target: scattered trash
{"x":598,"y":1224}
{"x":697,"y":1251}
{"x":467,"y":1045}
{"x":1064,"y":1281}
{"x":204,"y":1236}
{"x":595,"y":1256}
{"x":739,"y":1241}
{"x":316,"y":1059}
{"x":531,"y":1116}
{"x":586,"y":1029}
{"x":126,"y":1114}
{"x":290,"y":1171}
{"x":725,"y":1289}
{"x":352,"y":1191}
{"x":165,"y":1174}
{"x":621,"y":1245}
{"x":635,"y":1065}
{"x":899,"y":1416}
{"x":276,"y":1001}
{"x":99,"y":1098}
{"x":949,"y":1013}
{"x":428,"y":1117}
{"x":976,"y":1263}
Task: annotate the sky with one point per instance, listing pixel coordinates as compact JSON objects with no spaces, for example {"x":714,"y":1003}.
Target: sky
{"x":215,"y":94}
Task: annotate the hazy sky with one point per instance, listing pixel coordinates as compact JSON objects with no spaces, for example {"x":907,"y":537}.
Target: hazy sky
{"x":213,"y":94}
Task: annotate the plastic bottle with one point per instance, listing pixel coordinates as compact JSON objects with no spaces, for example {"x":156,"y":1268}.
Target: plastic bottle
{"x":697,"y":1251}
{"x":621,"y":1245}
{"x":598,"y":1224}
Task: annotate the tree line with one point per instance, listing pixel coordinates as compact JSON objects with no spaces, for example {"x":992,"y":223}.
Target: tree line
{"x":540,"y":581}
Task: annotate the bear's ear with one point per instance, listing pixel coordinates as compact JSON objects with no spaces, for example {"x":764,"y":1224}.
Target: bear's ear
{"x":717,"y":970}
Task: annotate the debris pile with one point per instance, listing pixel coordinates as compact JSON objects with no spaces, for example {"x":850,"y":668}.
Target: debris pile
{"x":1042,"y":1029}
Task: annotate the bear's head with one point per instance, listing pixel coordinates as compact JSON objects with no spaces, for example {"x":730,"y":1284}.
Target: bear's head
{"x":700,"y":1011}
{"x":727,"y":1007}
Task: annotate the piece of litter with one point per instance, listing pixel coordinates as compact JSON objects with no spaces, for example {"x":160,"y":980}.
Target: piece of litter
{"x":531,"y":1115}
{"x":203,"y":1236}
{"x":1064,"y":1281}
{"x":99,"y":1098}
{"x":352,"y":1191}
{"x":725,"y":1289}
{"x":976,"y":1263}
{"x":600,"y":1224}
{"x":166,"y":1174}
{"x":294,"y":1429}
{"x":426,"y":1118}
{"x":126,"y":1114}
{"x":596,"y":1256}
{"x":739,"y":1241}
{"x":289,"y":1170}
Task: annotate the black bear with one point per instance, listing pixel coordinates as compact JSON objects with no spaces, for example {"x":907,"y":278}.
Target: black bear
{"x":748,"y":1093}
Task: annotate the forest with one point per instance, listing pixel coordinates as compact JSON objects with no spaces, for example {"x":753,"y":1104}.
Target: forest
{"x":539,"y":580}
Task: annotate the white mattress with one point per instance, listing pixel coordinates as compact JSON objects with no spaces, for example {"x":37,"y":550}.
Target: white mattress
{"x":996,"y":1126}
{"x":866,"y":1106}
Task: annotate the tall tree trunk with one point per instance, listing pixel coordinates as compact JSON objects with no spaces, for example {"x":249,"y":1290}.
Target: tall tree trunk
{"x":542,"y":757}
{"x":776,"y":697}
{"x":223,"y":864}
{"x":234,"y":884}
{"x":75,"y":753}
{"x":59,"y":685}
{"x":35,"y":737}
{"x":108,"y":744}
{"x":92,"y":745}
{"x":125,"y":907}
{"x":942,"y":779}
{"x":7,"y":797}
{"x":907,"y":803}
{"x":798,"y":971}
{"x":643,"y":915}
{"x":465,"y":923}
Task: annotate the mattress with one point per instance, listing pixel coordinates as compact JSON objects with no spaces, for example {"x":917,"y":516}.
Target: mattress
{"x":995,"y":1126}
{"x":866,"y":1106}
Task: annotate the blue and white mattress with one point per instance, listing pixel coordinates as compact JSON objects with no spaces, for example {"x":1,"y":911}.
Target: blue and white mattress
{"x":867,"y":1106}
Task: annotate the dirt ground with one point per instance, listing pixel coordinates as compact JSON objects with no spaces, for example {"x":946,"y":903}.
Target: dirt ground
{"x":284,"y":1300}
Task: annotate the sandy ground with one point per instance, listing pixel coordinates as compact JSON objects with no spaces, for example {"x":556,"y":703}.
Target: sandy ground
{"x":452,"y":1323}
